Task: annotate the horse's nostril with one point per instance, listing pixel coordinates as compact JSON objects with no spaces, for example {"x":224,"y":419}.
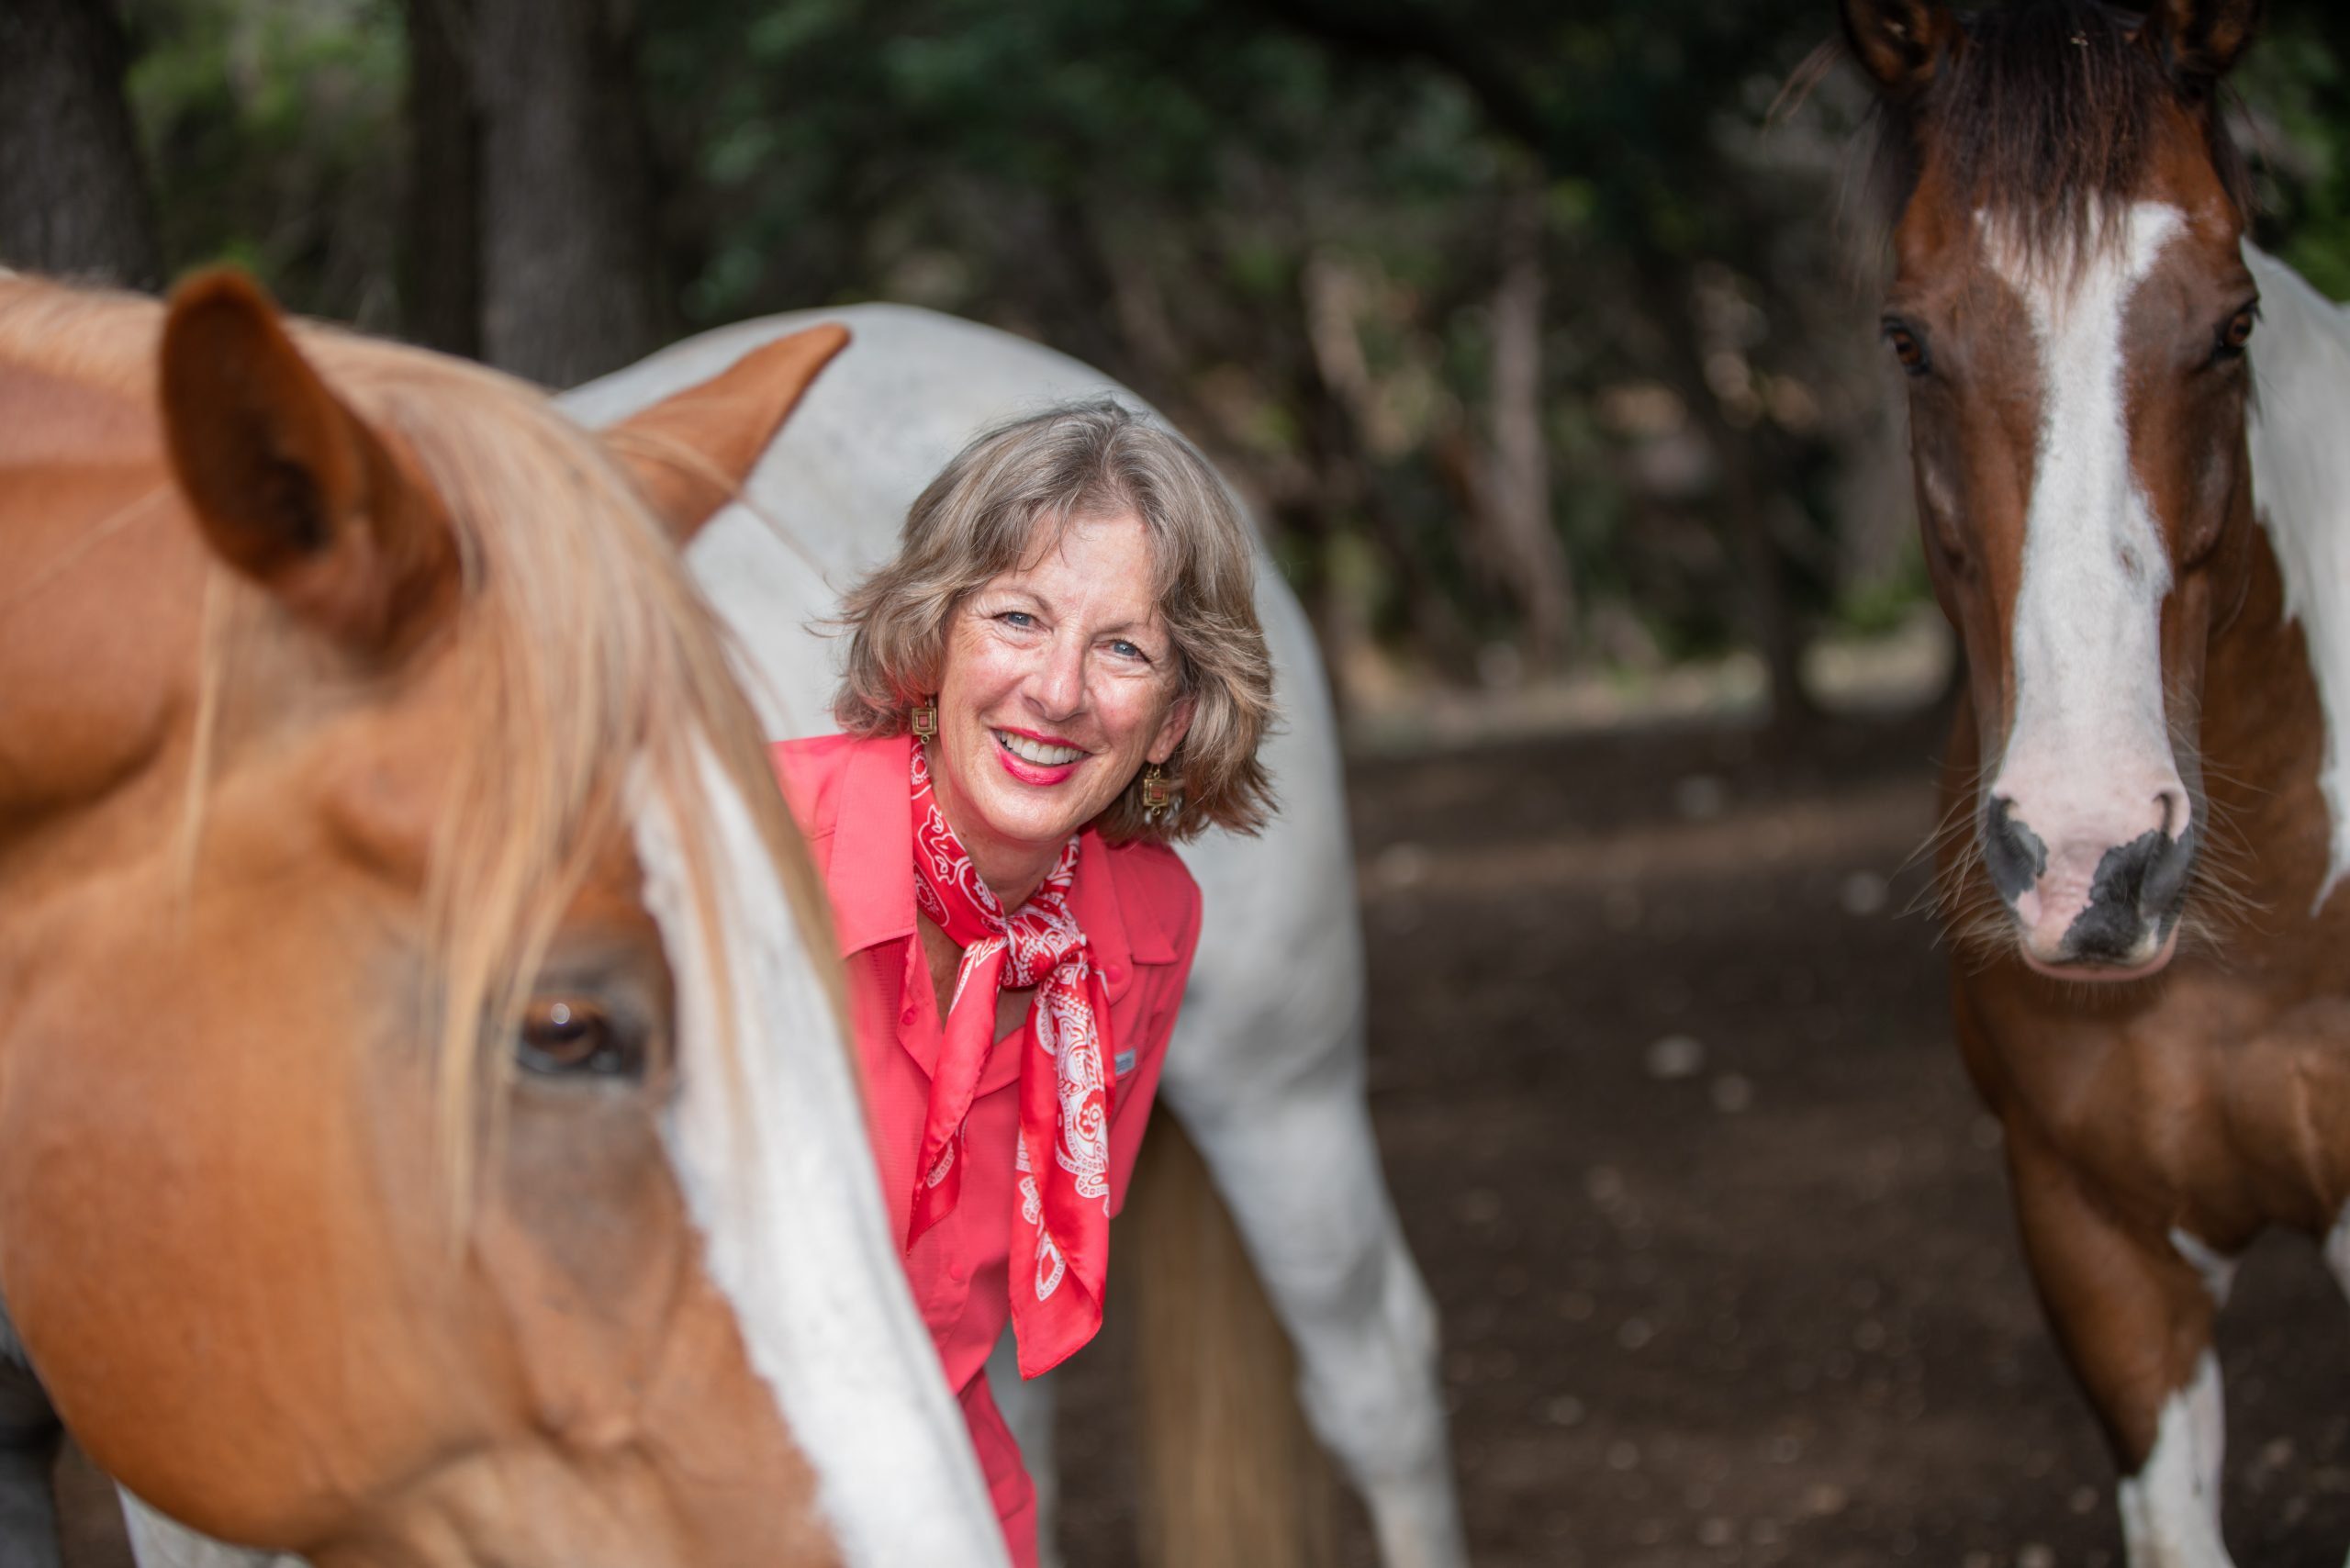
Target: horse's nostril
{"x":2174,"y":806}
{"x":2012,"y":853}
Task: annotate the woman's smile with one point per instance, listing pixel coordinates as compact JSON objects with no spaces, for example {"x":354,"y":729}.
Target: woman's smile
{"x":1037,"y":759}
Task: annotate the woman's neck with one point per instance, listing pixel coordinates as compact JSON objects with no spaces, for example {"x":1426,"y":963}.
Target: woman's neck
{"x":1012,"y":869}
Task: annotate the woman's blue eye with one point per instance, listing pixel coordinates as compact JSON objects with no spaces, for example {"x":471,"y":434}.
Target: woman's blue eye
{"x":1127,"y":650}
{"x":1017,"y":618}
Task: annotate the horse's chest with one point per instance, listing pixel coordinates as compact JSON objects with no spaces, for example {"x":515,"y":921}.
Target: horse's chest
{"x":2218,"y":1107}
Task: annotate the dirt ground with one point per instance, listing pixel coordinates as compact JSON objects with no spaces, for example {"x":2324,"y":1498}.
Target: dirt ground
{"x":1663,"y":1077}
{"x":1664,"y":1082}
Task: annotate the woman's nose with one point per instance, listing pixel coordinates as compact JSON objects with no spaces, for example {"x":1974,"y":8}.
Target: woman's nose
{"x":1057,"y":686}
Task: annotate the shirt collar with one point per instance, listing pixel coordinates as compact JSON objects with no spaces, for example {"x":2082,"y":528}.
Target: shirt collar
{"x":870,"y":877}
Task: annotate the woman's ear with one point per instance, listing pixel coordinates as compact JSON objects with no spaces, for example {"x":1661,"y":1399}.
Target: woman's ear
{"x":1171,"y":730}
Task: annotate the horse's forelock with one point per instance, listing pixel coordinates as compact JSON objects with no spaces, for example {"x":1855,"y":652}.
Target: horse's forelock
{"x":2046,"y":118}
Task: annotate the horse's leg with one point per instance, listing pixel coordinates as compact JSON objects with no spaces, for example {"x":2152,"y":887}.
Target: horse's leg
{"x":1027,"y":1405}
{"x":2134,"y":1314}
{"x":1298,"y":1166}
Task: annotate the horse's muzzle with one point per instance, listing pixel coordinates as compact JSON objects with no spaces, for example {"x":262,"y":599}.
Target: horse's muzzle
{"x":2086,"y":908}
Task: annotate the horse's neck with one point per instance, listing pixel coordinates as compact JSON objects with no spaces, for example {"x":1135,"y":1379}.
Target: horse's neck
{"x":2300,"y":461}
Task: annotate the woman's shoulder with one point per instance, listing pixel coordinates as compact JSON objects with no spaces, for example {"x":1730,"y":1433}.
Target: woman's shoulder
{"x":813,"y":771}
{"x":1153,"y":877}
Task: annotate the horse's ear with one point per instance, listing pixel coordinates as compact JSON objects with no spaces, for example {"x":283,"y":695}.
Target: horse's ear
{"x":1899,"y":42}
{"x":2200,"y":40}
{"x":691,"y":453}
{"x":289,"y":487}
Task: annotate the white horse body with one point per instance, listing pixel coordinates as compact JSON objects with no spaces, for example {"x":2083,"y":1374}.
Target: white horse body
{"x":1266,"y":1070}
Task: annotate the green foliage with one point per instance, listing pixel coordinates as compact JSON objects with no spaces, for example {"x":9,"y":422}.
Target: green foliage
{"x":273,"y":137}
{"x":2301,"y":138}
{"x":1280,"y":220}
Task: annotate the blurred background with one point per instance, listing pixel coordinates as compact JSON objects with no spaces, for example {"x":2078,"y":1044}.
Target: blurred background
{"x":1543,"y":339}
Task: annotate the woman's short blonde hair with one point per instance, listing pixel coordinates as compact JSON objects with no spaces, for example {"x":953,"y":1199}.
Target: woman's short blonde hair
{"x":980,"y":519}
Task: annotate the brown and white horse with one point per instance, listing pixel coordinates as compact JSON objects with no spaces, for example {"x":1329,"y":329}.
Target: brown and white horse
{"x":2138,"y":519}
{"x":389,"y":871}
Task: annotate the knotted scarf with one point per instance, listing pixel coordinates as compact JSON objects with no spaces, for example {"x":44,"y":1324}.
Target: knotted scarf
{"x":1060,"y":1235}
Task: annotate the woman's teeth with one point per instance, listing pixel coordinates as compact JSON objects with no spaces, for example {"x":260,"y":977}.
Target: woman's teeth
{"x":1038,"y":752}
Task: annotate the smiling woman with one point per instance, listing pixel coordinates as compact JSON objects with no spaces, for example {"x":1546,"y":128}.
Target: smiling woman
{"x":1058,"y":674}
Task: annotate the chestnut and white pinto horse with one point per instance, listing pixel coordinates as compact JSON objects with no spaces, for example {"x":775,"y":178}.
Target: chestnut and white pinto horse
{"x":1266,"y":1070}
{"x":391,"y":880}
{"x":2137,"y":513}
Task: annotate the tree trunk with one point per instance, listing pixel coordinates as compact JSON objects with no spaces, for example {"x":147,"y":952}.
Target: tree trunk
{"x":441,"y":301}
{"x":566,"y":210}
{"x":1769,"y":611}
{"x":72,"y":195}
{"x":1771,"y":615}
{"x":1518,"y":487}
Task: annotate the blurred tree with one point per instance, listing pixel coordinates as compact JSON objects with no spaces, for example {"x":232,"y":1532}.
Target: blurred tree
{"x":1628,"y":101}
{"x":1532,"y":333}
{"x":568,"y":256}
{"x":442,"y":291}
{"x":72,"y":195}
{"x":272,"y":127}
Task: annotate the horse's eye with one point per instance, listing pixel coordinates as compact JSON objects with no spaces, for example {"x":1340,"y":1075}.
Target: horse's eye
{"x":572,"y":1037}
{"x":1908,"y":347}
{"x":2235,"y":334}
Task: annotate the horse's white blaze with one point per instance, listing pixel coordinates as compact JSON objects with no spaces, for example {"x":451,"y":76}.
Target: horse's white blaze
{"x":768,"y":1145}
{"x":2170,"y":1509}
{"x":2087,"y":764}
{"x":2218,"y":1270}
{"x":2300,"y":468}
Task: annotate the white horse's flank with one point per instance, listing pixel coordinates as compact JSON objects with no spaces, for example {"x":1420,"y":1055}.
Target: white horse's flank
{"x":1266,"y":1070}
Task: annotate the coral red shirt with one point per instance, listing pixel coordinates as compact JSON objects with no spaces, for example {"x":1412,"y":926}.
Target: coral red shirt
{"x":1140,"y":910}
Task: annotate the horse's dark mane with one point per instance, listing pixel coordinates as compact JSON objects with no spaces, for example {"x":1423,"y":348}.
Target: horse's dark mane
{"x":2045,"y":114}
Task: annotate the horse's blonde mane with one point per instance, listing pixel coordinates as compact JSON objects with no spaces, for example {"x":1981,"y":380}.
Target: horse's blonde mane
{"x":595,"y":655}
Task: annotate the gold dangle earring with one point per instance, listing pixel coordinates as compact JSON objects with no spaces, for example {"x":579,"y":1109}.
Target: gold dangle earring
{"x":1155,"y":797}
{"x":923,"y":720}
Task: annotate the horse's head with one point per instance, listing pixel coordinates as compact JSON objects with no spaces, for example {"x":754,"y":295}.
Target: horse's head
{"x":388,"y":869}
{"x":2071,"y":310}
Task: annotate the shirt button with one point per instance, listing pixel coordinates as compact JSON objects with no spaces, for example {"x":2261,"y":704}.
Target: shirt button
{"x":906,"y":1017}
{"x":1115,"y":973}
{"x":957,"y":1273}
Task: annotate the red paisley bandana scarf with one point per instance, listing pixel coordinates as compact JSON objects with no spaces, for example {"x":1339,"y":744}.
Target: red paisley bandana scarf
{"x":1060,"y":1235}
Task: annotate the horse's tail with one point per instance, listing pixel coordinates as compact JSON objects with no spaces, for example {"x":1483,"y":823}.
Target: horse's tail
{"x":1232,"y":1477}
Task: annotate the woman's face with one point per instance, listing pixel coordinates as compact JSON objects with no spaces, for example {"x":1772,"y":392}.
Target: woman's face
{"x":1059,"y":684}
